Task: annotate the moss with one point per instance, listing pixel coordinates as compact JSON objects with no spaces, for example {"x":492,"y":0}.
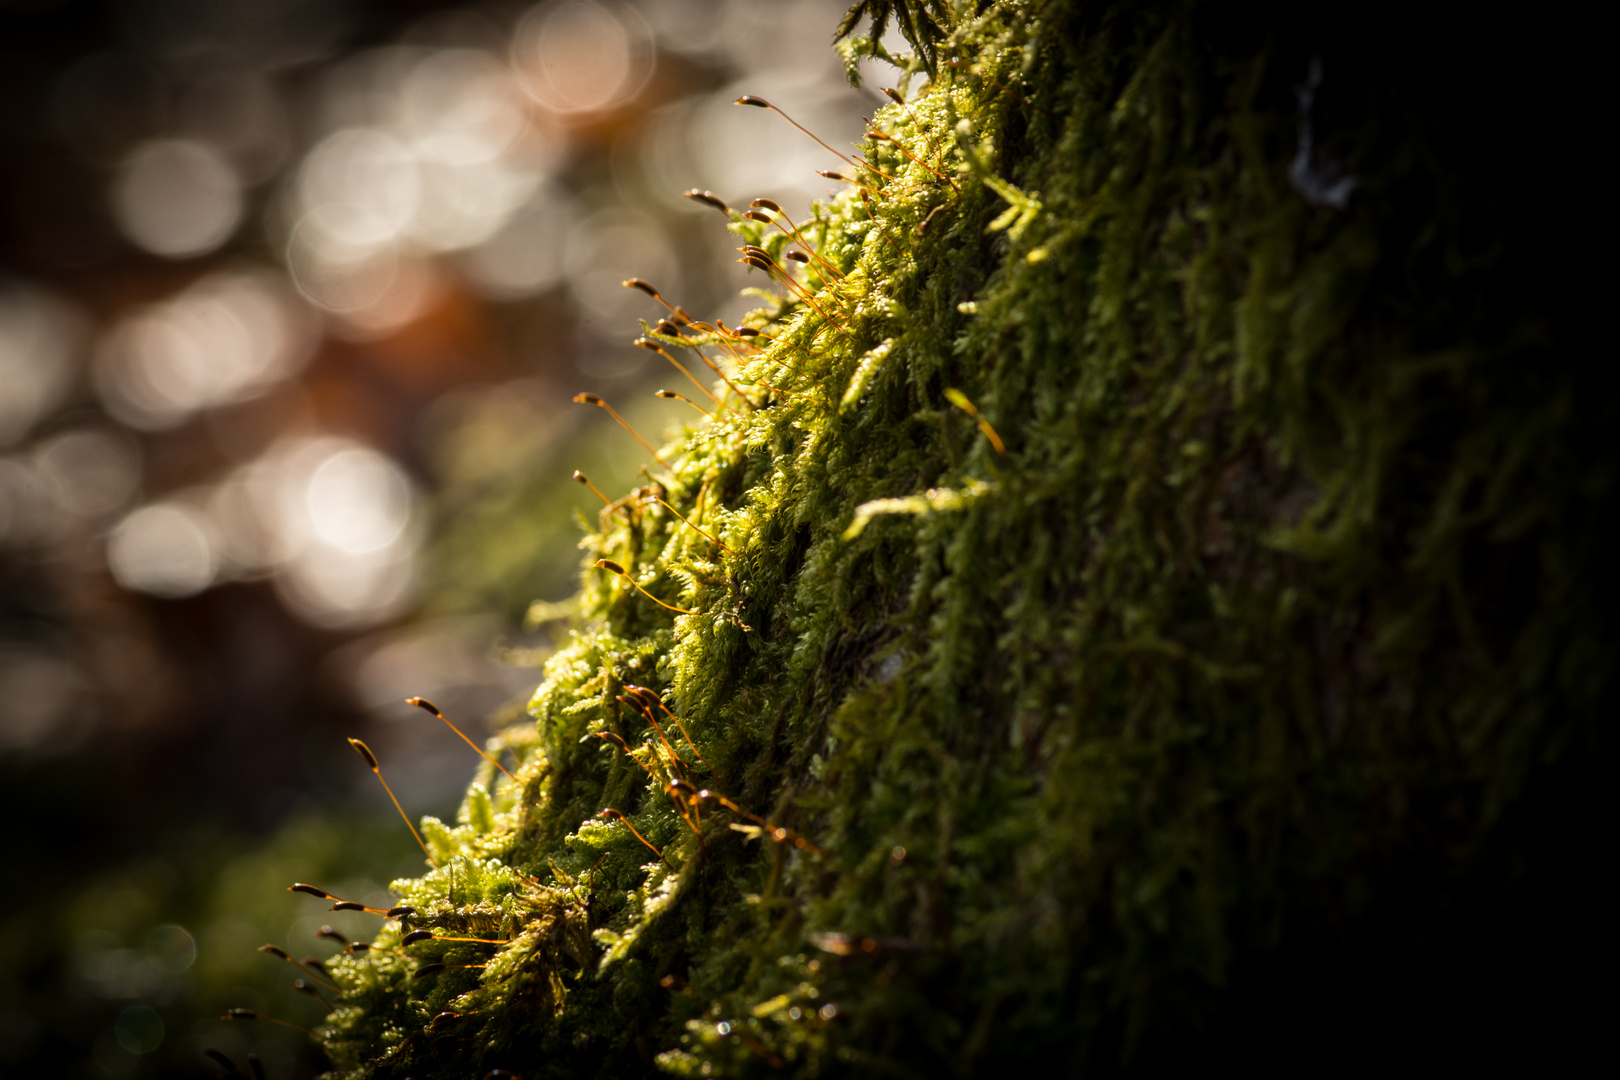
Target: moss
{"x":1281,"y":603}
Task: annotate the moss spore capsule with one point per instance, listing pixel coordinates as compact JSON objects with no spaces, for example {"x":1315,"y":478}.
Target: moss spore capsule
{"x":708,"y":198}
{"x":365,"y":752}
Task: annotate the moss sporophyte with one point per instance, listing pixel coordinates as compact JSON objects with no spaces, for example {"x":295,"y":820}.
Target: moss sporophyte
{"x":1075,"y":581}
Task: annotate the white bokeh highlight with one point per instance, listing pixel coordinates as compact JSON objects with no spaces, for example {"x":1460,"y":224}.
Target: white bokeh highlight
{"x":581,"y":57}
{"x":334,"y":524}
{"x":164,"y":550}
{"x":177,"y":198}
{"x":358,"y":500}
{"x":227,"y":338}
{"x":429,"y":152}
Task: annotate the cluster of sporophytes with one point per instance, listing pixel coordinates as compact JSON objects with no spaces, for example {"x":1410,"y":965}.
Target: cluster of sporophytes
{"x":1137,"y":532}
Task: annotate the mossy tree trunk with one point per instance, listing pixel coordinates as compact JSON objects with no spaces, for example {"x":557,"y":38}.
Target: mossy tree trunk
{"x":1236,"y":707}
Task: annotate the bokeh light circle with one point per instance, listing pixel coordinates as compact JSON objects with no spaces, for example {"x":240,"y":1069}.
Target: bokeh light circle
{"x":578,"y":56}
{"x":93,"y":472}
{"x":362,"y":185}
{"x":358,"y":500}
{"x":228,"y":337}
{"x":334,"y":274}
{"x":177,"y":198}
{"x":163,"y":550}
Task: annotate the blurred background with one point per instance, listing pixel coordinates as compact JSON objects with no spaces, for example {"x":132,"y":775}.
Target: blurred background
{"x":294,"y":296}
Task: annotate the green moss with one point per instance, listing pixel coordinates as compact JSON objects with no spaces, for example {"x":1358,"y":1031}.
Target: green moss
{"x":1286,"y":583}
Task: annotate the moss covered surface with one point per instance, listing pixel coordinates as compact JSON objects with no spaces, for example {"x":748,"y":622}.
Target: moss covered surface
{"x":1255,"y":647}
